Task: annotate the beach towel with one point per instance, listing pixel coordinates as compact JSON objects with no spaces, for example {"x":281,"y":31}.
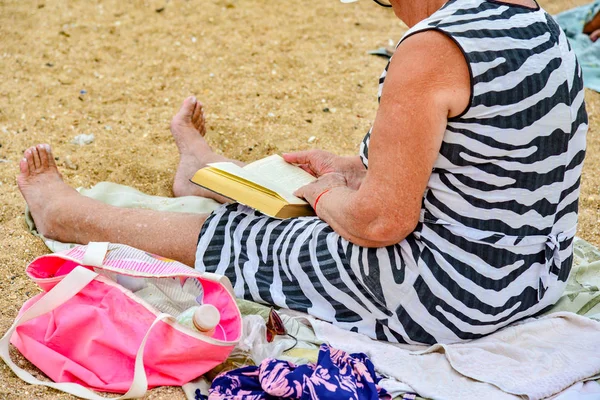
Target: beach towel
{"x":536,"y":359}
{"x":588,"y":52}
{"x":582,"y":296}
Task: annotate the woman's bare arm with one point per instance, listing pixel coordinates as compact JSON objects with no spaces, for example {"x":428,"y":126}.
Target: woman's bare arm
{"x":427,"y":82}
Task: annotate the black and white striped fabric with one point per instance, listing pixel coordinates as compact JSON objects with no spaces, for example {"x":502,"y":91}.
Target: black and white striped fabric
{"x":494,"y":241}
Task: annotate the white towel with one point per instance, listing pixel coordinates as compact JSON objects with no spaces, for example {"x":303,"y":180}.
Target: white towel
{"x":580,"y":391}
{"x":535,"y":358}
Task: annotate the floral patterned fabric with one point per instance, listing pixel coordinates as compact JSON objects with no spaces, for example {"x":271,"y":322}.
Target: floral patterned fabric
{"x":336,"y":375}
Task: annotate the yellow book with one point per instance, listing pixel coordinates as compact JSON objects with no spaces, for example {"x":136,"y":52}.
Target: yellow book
{"x":267,"y":185}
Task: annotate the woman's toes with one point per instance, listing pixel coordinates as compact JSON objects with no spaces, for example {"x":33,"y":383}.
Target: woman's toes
{"x":198,"y":119}
{"x":187,"y":109}
{"x":202,"y":125}
{"x":197,"y":112}
{"x":41,"y":149}
{"x":24,"y":166}
{"x":36,"y":158}
{"x":29,"y":158}
{"x":51,"y":160}
{"x":183,"y":118}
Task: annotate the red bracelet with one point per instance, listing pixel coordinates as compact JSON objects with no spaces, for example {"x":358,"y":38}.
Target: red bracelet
{"x":319,"y":198}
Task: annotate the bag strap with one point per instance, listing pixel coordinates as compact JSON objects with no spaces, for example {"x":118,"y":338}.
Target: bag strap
{"x":95,"y":253}
{"x":222,"y":279}
{"x":72,"y":284}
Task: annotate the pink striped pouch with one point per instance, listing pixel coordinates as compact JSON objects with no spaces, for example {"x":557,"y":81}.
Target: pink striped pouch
{"x":90,"y":328}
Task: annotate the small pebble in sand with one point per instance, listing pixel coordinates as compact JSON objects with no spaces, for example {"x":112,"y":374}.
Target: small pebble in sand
{"x":83,"y":139}
{"x":312,"y":139}
{"x":70,"y":164}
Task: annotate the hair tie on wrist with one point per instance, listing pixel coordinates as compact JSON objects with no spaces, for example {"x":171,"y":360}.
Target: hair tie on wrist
{"x":319,"y":198}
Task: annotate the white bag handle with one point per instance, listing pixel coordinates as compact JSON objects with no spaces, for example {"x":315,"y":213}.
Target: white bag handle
{"x":222,"y":279}
{"x":68,"y":287}
{"x":95,"y":253}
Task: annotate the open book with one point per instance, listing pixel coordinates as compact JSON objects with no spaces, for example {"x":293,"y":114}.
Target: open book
{"x":267,"y":185}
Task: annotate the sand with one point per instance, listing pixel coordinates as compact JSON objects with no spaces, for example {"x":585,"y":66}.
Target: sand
{"x":271,"y":74}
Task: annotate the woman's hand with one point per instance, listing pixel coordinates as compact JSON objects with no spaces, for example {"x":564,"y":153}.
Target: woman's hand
{"x":323,"y":184}
{"x":320,"y":162}
{"x":315,"y":162}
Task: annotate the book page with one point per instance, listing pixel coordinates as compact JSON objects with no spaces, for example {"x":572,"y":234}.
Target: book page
{"x":260,"y":178}
{"x":276,"y":170}
{"x":236,"y":170}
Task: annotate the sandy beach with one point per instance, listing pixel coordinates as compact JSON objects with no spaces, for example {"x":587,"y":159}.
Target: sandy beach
{"x":270,"y":74}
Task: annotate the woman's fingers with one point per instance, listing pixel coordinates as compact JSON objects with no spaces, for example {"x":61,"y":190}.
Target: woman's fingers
{"x":307,"y":168}
{"x":315,"y":162}
{"x":307,"y":160}
{"x":299,"y":157}
{"x":595,"y":35}
{"x":300,"y":191}
{"x":311,"y":191}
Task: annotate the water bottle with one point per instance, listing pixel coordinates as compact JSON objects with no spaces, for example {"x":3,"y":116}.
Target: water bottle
{"x":202,"y":318}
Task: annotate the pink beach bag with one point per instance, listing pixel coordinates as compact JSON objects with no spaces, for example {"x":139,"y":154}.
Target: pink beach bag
{"x":90,"y":329}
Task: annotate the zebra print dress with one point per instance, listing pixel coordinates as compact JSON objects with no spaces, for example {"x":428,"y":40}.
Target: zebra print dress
{"x":494,"y":239}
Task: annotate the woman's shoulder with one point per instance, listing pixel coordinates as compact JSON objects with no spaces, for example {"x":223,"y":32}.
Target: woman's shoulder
{"x":431,"y":66}
{"x":479,"y":19}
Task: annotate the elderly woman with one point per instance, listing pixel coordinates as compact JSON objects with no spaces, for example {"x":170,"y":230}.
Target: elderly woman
{"x":456,"y":219}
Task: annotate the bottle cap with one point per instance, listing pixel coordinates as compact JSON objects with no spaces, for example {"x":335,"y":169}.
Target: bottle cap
{"x":206,"y":317}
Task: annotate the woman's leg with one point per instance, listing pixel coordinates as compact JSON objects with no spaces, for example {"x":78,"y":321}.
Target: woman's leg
{"x":61,"y":213}
{"x":188,"y":129}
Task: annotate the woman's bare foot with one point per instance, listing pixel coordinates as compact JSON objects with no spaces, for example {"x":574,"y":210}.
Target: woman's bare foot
{"x":44,"y":190}
{"x":188,"y":130}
